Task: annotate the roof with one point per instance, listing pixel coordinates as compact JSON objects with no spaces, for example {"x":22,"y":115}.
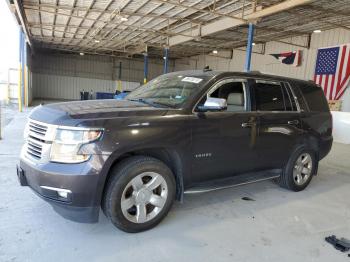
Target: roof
{"x":252,"y":74}
{"x":130,"y":27}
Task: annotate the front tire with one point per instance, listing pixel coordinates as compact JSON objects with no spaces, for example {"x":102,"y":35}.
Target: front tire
{"x":139,"y":194}
{"x":299,"y":170}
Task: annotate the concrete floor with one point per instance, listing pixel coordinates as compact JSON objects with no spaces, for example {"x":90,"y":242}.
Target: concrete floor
{"x":217,"y":226}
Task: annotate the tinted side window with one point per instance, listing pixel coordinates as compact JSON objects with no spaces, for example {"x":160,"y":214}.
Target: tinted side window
{"x":289,"y":99}
{"x":269,"y":97}
{"x":233,"y":93}
{"x":314,"y":97}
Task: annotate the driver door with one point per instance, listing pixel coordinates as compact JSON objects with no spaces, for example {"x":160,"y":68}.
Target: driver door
{"x":223,"y":142}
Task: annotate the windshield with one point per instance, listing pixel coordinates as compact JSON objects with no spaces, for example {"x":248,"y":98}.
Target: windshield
{"x":170,"y":90}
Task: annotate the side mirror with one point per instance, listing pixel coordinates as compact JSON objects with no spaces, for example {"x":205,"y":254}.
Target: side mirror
{"x":213,"y":104}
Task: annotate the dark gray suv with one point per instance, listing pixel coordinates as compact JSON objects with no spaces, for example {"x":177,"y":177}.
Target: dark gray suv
{"x":190,"y":131}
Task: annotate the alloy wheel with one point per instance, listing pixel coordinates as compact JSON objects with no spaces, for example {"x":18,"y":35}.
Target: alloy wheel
{"x":302,"y":169}
{"x":144,"y":197}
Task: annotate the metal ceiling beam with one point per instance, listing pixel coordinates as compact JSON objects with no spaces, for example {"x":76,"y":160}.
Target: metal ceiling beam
{"x":173,"y":28}
{"x":227,"y":22}
{"x":326,"y":11}
{"x":319,"y":17}
{"x":117,"y":25}
{"x":58,"y":40}
{"x":286,"y":5}
{"x":210,"y":12}
{"x":40,"y":19}
{"x":293,"y":44}
{"x":54,"y":19}
{"x":173,"y":25}
{"x":69,"y":18}
{"x":113,"y":15}
{"x":98,"y":10}
{"x":338,"y":25}
{"x":51,"y":26}
{"x":22,"y":18}
{"x":169,"y":23}
{"x":159,"y":32}
{"x":87,"y":13}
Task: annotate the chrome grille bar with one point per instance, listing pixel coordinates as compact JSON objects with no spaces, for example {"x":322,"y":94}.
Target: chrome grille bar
{"x":36,"y":139}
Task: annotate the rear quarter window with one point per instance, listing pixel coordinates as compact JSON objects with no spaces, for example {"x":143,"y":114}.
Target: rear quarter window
{"x":314,"y":97}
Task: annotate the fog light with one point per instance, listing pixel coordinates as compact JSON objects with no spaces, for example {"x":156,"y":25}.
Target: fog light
{"x":62,"y":194}
{"x":57,"y":193}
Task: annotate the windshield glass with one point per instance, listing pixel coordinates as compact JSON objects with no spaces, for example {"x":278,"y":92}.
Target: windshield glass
{"x":170,"y":90}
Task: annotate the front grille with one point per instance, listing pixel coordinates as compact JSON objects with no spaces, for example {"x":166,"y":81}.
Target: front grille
{"x":36,"y":129}
{"x":34,"y":149}
{"x":36,"y":139}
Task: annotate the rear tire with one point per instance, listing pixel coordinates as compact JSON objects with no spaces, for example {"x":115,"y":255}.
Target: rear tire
{"x":299,"y":170}
{"x":139,"y":194}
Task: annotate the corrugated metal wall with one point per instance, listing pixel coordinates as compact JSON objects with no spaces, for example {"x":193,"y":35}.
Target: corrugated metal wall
{"x":59,"y":76}
{"x":68,"y":87}
{"x":268,"y":64}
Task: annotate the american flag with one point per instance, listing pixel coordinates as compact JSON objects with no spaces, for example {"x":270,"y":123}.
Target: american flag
{"x":332,"y":70}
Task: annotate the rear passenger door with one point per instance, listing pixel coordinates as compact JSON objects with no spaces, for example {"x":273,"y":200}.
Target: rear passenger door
{"x":279,"y":123}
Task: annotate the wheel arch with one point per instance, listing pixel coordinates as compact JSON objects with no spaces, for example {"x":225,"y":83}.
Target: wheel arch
{"x":312,"y":142}
{"x":170,"y":157}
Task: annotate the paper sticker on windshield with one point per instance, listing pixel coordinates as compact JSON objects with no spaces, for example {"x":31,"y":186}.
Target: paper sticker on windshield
{"x":192,"y":79}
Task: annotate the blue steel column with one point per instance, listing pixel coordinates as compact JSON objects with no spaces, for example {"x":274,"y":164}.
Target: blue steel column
{"x":145,"y":67}
{"x":166,"y":60}
{"x":249,"y":47}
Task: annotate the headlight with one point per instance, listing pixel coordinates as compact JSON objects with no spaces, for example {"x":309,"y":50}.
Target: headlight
{"x":67,"y":143}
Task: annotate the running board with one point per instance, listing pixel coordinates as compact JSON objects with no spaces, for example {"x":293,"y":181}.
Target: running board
{"x":234,"y":181}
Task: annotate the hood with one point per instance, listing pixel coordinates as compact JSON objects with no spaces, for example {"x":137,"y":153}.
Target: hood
{"x":68,"y":113}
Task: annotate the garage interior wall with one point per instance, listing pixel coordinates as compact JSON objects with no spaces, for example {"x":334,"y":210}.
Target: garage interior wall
{"x":265,"y":63}
{"x":63,"y":76}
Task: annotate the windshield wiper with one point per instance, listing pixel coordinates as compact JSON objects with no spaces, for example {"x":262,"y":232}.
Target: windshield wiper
{"x":163,"y":104}
{"x":144,"y":101}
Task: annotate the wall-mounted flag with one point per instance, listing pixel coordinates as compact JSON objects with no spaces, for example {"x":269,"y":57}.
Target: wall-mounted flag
{"x":289,"y":58}
{"x":332,"y":71}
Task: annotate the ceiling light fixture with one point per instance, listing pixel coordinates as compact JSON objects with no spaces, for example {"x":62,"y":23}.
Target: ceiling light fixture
{"x":97,"y":41}
{"x":215,"y":51}
{"x":81,"y":54}
{"x":253,"y":44}
{"x":123,"y":19}
{"x":317,"y":31}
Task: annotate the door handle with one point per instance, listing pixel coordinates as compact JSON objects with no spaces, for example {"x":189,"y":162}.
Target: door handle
{"x":293,"y":122}
{"x":247,"y":124}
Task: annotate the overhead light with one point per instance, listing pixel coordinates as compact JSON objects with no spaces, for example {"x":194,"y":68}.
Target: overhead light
{"x":253,"y":44}
{"x":215,"y":51}
{"x":81,"y":54}
{"x":164,"y":57}
{"x":317,"y":31}
{"x":123,"y":19}
{"x":97,"y":41}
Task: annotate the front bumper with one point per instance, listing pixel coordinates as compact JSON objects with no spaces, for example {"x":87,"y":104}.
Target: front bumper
{"x":82,"y":181}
